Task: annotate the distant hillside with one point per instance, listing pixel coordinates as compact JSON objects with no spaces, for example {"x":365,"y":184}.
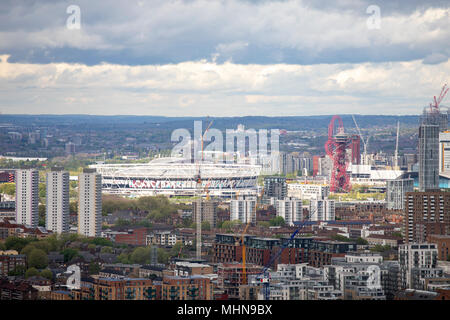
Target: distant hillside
{"x":257,"y":122}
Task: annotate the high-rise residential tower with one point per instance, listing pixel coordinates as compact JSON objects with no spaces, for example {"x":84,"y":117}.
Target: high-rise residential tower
{"x":290,"y":209}
{"x":426,"y":213}
{"x":428,"y":157}
{"x":57,"y":205}
{"x":208,"y":212}
{"x":322,"y":210}
{"x":396,"y":190}
{"x":444,"y":152}
{"x":432,"y":122}
{"x":90,"y":203}
{"x":275,"y":187}
{"x":27,"y":197}
{"x":243,"y":209}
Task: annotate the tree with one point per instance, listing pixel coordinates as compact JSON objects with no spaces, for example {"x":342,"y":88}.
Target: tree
{"x":69,"y":254}
{"x":145,"y":223}
{"x":163,"y":256}
{"x":397,"y":234}
{"x":381,"y":248}
{"x":16,"y":243}
{"x":27,"y":249}
{"x":226,"y":225}
{"x":8,"y":188}
{"x":101,"y":242}
{"x":339,"y":237}
{"x":106,"y":250}
{"x":277,"y":221}
{"x":53,"y":243}
{"x":31,"y":272}
{"x":140,"y":255}
{"x":362,"y":241}
{"x":43,"y":245}
{"x":41,"y":215}
{"x":264,"y":224}
{"x":47,"y":274}
{"x":18,"y":271}
{"x":122,"y":223}
{"x":94,"y":268}
{"x":73,"y":207}
{"x":123,"y":258}
{"x":206,"y":226}
{"x":42,"y":191}
{"x":176,"y":249}
{"x":38,"y":259}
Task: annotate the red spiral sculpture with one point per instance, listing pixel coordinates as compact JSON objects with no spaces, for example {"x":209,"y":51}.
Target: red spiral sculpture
{"x":336,"y":147}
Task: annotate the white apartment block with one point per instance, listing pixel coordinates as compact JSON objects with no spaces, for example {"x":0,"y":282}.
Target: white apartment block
{"x":290,"y":209}
{"x":444,"y":152}
{"x":357,"y":275}
{"x":163,"y":238}
{"x":243,"y":209}
{"x":307,"y":191}
{"x":417,"y":260}
{"x":299,"y":282}
{"x":322,"y":210}
{"x":27,"y":197}
{"x":57,"y":205}
{"x":369,"y":258}
{"x":90,"y":203}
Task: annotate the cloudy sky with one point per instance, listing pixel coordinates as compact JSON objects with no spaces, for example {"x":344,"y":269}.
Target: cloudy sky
{"x":222,"y":58}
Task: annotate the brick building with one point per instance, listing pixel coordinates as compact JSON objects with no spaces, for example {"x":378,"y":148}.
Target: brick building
{"x":443,"y":245}
{"x":426,"y":213}
{"x":9,"y":263}
{"x":124,"y":289}
{"x":135,"y":237}
{"x":231,"y":277}
{"x":111,"y":289}
{"x":17,"y":290}
{"x":316,"y":251}
{"x":322,"y":251}
{"x":195,"y":287}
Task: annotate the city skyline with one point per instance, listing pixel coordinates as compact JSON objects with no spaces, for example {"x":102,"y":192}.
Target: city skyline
{"x":248,"y":153}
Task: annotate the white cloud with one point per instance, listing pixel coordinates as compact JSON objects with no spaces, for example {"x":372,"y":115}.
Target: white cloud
{"x":205,"y":88}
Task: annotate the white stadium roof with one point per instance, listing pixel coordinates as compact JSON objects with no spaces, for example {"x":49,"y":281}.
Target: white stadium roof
{"x":163,"y":168}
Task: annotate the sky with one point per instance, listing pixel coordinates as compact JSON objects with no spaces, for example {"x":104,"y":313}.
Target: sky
{"x":222,"y":58}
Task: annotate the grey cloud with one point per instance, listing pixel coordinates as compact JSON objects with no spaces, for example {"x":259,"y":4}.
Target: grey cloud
{"x":435,"y":58}
{"x":265,"y":32}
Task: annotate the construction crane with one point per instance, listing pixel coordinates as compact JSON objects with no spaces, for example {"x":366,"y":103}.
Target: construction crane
{"x":198,"y":191}
{"x":244,"y":270}
{"x":206,"y":190}
{"x":396,"y":148}
{"x":264,"y":277}
{"x":365,"y":142}
{"x":434,"y":106}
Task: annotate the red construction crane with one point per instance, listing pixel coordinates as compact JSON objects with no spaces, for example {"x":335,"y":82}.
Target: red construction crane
{"x":434,"y":106}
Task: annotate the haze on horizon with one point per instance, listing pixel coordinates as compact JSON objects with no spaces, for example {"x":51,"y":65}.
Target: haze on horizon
{"x":222,"y":58}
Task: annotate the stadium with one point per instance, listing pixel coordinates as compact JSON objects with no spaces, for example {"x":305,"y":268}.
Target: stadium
{"x":176,"y":177}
